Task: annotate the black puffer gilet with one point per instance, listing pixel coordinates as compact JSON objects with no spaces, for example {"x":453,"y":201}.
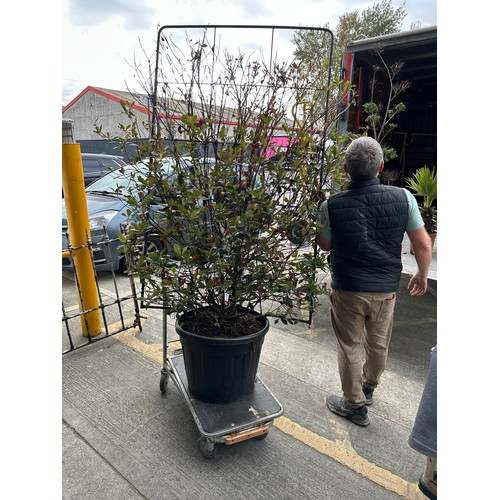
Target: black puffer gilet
{"x":368,"y":223}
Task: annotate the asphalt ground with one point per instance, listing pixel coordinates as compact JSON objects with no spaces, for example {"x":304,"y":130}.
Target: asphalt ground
{"x":123,"y":439}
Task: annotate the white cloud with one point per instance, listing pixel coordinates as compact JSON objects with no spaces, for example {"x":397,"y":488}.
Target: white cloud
{"x":134,"y":15}
{"x":101,"y":40}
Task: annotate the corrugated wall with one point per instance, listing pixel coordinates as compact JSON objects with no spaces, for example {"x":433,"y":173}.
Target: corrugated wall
{"x":93,"y":108}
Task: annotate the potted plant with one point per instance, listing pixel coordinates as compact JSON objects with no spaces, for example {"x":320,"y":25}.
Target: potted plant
{"x":224,"y":211}
{"x":424,"y":184}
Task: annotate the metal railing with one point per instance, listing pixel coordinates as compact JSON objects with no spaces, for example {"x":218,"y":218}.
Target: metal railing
{"x":118,"y":304}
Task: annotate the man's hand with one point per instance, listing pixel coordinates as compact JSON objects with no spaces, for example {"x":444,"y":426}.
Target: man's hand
{"x":324,"y":243}
{"x":422,"y":247}
{"x":417,"y":285}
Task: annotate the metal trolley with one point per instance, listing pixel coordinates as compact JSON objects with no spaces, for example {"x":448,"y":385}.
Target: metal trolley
{"x":250,"y":417}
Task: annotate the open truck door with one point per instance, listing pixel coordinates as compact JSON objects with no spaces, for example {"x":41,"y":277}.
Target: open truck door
{"x":415,"y":137}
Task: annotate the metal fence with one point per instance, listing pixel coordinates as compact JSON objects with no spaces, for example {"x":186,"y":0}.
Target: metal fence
{"x":118,"y":304}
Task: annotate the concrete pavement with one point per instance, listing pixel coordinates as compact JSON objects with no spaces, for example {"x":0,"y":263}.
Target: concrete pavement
{"x":123,"y":439}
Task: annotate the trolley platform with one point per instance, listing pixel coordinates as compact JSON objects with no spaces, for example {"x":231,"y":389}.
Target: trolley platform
{"x":228,"y":423}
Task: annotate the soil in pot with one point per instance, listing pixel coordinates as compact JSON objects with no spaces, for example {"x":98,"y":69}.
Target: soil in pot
{"x":206,"y":322}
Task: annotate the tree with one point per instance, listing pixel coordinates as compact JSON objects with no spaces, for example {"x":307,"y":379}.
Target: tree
{"x":312,"y":48}
{"x":380,"y":19}
{"x":313,"y":54}
{"x":380,"y":115}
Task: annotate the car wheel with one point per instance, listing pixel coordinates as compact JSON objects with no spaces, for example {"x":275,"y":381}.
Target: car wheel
{"x":298,"y":234}
{"x":152,"y":244}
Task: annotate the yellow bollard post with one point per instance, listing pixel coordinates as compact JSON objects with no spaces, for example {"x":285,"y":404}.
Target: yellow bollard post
{"x":78,"y":227}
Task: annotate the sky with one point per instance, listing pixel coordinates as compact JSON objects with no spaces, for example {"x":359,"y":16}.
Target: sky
{"x":103,"y":41}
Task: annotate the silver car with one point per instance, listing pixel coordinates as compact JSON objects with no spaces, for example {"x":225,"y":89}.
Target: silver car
{"x":107,"y":204}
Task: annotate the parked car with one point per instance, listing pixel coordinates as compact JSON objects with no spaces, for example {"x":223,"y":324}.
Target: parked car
{"x":95,"y":165}
{"x":107,"y":204}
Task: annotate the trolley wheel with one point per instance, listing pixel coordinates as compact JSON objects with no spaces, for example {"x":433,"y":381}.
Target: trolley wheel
{"x":206,"y":447}
{"x":163,"y":382}
{"x":261,"y":436}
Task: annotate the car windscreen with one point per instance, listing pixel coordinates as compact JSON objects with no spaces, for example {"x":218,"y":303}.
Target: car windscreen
{"x":112,"y":163}
{"x":123,"y":180}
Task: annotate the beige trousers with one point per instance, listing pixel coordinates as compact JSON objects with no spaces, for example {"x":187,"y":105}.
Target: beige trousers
{"x":361,"y":319}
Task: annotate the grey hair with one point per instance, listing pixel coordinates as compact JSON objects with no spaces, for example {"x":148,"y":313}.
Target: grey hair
{"x":363,"y":158}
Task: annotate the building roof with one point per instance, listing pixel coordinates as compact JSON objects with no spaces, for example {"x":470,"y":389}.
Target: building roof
{"x":174,"y":108}
{"x":142,"y":103}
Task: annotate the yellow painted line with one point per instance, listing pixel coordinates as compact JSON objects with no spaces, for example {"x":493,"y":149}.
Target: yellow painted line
{"x":152,"y":351}
{"x":339,"y":450}
{"x":421,"y":321}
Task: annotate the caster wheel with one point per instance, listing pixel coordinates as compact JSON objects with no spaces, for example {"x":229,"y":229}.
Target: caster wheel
{"x":206,"y":447}
{"x":163,"y":382}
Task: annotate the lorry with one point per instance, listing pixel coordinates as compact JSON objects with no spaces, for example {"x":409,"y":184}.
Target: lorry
{"x":415,"y":137}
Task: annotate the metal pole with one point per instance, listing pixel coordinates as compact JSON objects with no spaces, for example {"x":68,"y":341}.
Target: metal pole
{"x":79,"y":229}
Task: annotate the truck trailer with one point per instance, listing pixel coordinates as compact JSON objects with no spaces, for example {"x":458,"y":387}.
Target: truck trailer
{"x":415,"y":137}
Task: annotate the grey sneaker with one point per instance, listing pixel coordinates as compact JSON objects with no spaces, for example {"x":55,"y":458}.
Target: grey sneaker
{"x":341,"y":406}
{"x":427,"y":483}
{"x":368,"y":395}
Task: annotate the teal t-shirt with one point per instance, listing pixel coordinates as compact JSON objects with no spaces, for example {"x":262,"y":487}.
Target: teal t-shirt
{"x":415,"y":220}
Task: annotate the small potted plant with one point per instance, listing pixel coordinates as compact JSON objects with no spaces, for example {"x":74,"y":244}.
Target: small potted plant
{"x":424,"y":184}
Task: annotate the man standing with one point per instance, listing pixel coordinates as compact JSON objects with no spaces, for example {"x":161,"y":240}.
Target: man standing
{"x":363,"y":229}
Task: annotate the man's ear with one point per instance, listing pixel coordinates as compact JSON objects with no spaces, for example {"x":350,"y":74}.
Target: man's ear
{"x":381,"y":167}
{"x":345,"y":169}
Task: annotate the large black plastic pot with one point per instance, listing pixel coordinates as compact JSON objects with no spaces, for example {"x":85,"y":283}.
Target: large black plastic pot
{"x":220,"y":370}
